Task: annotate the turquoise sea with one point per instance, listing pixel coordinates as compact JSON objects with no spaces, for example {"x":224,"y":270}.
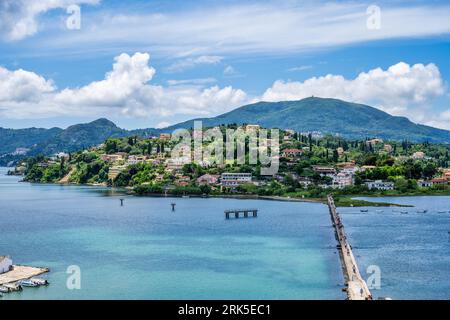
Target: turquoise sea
{"x":143,"y":250}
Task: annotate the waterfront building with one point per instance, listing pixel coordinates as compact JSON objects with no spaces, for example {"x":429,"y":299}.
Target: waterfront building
{"x":234,"y":179}
{"x":208,"y":179}
{"x":439,"y":181}
{"x":379,"y":185}
{"x":424,"y":183}
{"x":177,"y":164}
{"x":342,"y":180}
{"x":324,"y":171}
{"x":5,"y":264}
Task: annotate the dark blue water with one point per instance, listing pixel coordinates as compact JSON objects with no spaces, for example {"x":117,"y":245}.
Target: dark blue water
{"x":412,"y":250}
{"x":145,"y":251}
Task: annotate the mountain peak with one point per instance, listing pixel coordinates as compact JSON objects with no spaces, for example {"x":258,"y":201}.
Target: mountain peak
{"x":103,"y":122}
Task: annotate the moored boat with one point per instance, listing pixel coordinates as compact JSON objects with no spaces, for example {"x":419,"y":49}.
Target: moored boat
{"x":4,"y":289}
{"x":422,"y":211}
{"x":13,"y":286}
{"x":364,"y":210}
{"x":27,"y":283}
{"x":40,"y":281}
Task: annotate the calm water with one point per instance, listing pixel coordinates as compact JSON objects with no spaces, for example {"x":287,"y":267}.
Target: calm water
{"x":145,"y":251}
{"x":412,"y":250}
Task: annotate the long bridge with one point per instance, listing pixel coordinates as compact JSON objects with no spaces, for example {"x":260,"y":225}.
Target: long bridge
{"x":357,"y":288}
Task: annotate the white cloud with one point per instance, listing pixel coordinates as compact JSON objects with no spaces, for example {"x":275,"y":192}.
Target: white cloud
{"x":398,"y":90}
{"x":21,"y":85}
{"x":274,"y":27}
{"x":189,"y":63}
{"x":162,"y":124}
{"x":19,"y":18}
{"x":125,"y":90}
{"x":299,"y":68}
{"x":195,"y":82}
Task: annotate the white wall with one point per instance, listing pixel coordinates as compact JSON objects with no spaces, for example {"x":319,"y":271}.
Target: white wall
{"x":5,"y":265}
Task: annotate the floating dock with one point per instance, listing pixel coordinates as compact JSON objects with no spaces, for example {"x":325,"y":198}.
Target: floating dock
{"x":236,"y":213}
{"x":21,"y":273}
{"x":357,"y":288}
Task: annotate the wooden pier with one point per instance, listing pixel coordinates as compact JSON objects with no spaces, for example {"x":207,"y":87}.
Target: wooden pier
{"x":236,"y":213}
{"x":356,"y":286}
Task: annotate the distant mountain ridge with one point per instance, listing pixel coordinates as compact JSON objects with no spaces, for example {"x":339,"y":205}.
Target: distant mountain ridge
{"x":329,"y":116}
{"x":332,"y":116}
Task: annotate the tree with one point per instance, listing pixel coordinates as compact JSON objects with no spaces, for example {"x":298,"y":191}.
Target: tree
{"x":335,"y":156}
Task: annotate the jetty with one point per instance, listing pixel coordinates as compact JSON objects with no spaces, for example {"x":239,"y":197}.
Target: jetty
{"x":357,"y":288}
{"x":237,"y":213}
{"x":19,"y":272}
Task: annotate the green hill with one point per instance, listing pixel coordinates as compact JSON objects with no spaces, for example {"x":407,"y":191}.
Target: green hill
{"x":329,"y":116}
{"x":332,"y":116}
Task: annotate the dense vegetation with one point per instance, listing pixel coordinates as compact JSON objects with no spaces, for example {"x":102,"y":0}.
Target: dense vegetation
{"x":148,"y":177}
{"x":353,"y":121}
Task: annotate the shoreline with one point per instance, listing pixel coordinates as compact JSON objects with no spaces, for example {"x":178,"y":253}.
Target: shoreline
{"x":340,"y":201}
{"x":349,"y":200}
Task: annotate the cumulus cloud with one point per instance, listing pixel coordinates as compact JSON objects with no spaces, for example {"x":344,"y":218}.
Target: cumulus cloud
{"x":21,"y":85}
{"x":124,"y":90}
{"x":396,"y":90}
{"x":19,"y":18}
{"x":401,"y":89}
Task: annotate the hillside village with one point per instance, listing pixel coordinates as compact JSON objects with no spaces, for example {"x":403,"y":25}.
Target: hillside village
{"x":310,"y":165}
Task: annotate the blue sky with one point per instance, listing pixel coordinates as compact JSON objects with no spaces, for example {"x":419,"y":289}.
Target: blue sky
{"x":154,"y":63}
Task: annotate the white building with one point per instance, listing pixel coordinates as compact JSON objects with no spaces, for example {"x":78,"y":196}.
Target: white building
{"x":418,"y":155}
{"x":177,"y":163}
{"x":234,"y":179}
{"x":5,"y":264}
{"x":342,"y":180}
{"x":380,"y":185}
{"x":424,"y":183}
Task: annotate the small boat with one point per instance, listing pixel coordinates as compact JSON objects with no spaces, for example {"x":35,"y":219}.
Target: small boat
{"x":364,"y":210}
{"x":27,"y":283}
{"x":13,"y":286}
{"x":422,"y":211}
{"x":4,"y":289}
{"x":442,"y":211}
{"x":40,"y":282}
{"x":379,"y":211}
{"x":185,"y":196}
{"x":404,"y":212}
